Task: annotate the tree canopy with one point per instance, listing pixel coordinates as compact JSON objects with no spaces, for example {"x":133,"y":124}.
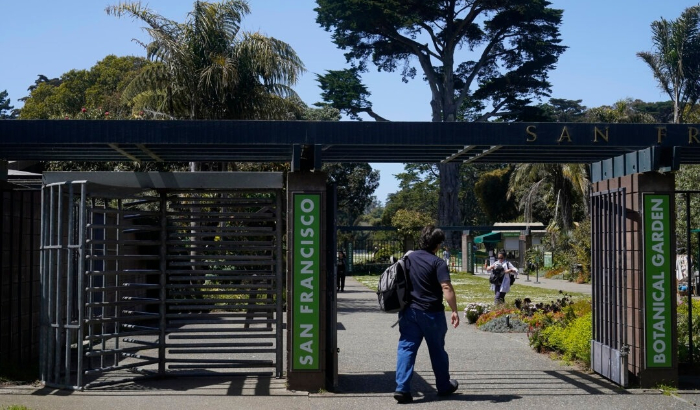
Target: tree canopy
{"x":207,"y":68}
{"x":6,"y":110}
{"x":343,"y":90}
{"x":491,"y":190}
{"x":675,"y":59}
{"x":512,"y":46}
{"x":83,"y":93}
{"x":485,"y":56}
{"x":356,"y":183}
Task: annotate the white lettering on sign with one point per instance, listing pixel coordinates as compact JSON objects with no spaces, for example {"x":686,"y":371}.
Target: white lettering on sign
{"x":306,"y":332}
{"x":306,"y":277}
{"x":658,"y":286}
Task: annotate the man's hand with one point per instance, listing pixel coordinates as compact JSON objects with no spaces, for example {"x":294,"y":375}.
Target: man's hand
{"x":455,"y":319}
{"x":449,"y":293}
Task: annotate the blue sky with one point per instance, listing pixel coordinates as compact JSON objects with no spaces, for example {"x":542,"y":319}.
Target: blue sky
{"x":600,"y":67}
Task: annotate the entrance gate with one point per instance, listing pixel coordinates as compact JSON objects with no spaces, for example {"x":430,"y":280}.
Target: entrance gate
{"x":609,"y":348}
{"x":641,"y":157}
{"x":158,"y":280}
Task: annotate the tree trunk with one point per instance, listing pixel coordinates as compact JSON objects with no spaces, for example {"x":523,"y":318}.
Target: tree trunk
{"x":564,"y":201}
{"x":449,"y":212}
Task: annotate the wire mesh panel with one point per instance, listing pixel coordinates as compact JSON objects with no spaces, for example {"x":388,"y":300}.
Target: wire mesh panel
{"x":153,"y":282}
{"x":609,"y":278}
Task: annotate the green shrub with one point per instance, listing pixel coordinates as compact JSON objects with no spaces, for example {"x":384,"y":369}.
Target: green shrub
{"x":386,"y":252}
{"x":565,"y":328}
{"x":682,"y":326}
{"x":582,"y":248}
{"x":502,"y":324}
{"x":577,"y":339}
{"x":496,"y":312}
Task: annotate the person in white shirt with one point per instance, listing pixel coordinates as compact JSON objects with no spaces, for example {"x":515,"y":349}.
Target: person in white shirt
{"x":503,"y":286}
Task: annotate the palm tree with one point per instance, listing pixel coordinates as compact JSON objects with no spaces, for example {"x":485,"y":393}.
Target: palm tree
{"x":553,"y":183}
{"x":676,"y":59}
{"x":207,"y":68}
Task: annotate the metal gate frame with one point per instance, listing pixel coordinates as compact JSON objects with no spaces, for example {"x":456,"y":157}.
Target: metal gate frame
{"x":149,"y":274}
{"x":609,"y":347}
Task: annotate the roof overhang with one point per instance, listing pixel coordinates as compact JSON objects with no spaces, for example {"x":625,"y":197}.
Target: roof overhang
{"x":491,"y":237}
{"x":383,"y":142}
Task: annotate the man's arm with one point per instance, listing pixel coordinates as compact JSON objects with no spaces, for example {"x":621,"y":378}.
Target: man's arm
{"x":449,"y":293}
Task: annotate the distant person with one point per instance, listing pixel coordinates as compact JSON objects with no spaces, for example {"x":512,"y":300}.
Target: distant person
{"x":446,"y":256}
{"x":424,"y":317}
{"x":340,"y":264}
{"x":503,"y":286}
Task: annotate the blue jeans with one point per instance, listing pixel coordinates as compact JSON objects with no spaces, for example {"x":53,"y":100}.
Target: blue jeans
{"x":414,"y":326}
{"x":500,"y":297}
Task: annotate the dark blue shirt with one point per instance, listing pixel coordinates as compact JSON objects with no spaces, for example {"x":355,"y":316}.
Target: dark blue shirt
{"x":427,"y":272}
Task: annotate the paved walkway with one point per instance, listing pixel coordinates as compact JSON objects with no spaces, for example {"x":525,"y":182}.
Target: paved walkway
{"x":494,"y":371}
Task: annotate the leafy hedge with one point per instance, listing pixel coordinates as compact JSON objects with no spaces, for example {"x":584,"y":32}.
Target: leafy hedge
{"x":564,"y":327}
{"x":683,"y":351}
{"x":572,"y":340}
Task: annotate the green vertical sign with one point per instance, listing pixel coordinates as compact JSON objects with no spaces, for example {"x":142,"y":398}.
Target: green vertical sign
{"x":306,"y":281}
{"x":657,"y":280}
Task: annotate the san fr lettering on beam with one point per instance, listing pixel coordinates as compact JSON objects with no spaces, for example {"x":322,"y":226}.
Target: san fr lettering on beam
{"x":565,"y":134}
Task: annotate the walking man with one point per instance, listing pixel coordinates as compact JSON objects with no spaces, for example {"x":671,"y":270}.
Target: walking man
{"x":424,"y":316}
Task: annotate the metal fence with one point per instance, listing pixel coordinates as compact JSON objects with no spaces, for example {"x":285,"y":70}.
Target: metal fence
{"x":372,"y":255}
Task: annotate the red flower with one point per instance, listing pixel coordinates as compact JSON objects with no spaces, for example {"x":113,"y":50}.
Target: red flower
{"x":106,"y":112}
{"x":83,"y":110}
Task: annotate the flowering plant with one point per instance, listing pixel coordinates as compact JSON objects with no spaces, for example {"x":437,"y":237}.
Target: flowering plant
{"x":474,"y":310}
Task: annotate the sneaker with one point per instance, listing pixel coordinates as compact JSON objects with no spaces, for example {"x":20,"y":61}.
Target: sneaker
{"x":403,"y":397}
{"x":453,"y":388}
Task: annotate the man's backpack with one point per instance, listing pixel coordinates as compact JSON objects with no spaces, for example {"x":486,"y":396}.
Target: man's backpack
{"x":393,"y":290}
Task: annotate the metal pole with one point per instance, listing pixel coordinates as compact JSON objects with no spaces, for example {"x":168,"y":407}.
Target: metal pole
{"x":43,"y":280}
{"x":57,"y":306}
{"x":595,"y":265}
{"x":279,"y":280}
{"x":163,"y":282}
{"x":537,"y":265}
{"x":118,"y":251}
{"x":624,"y":345}
{"x":81,"y":287}
{"x":690,"y":277}
{"x":70,"y":241}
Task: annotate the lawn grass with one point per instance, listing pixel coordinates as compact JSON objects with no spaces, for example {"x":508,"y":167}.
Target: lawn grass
{"x":475,"y":289}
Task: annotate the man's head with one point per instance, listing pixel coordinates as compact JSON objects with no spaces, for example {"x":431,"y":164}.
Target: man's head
{"x":501,"y":256}
{"x":431,"y":238}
